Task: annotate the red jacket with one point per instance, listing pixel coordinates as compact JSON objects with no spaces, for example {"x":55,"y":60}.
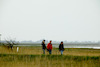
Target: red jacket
{"x":49,"y":46}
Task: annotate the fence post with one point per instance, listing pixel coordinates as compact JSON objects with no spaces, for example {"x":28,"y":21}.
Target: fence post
{"x":17,"y":49}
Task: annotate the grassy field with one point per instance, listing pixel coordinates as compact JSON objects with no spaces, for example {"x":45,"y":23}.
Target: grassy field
{"x":33,"y":57}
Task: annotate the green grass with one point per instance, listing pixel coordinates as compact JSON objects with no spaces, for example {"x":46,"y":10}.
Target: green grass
{"x":48,"y":60}
{"x":54,"y":57}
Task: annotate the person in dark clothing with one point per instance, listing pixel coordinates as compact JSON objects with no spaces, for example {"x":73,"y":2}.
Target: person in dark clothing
{"x":61,"y":47}
{"x":43,"y":46}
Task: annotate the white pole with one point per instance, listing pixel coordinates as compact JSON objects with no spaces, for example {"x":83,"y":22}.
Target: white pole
{"x":17,"y":49}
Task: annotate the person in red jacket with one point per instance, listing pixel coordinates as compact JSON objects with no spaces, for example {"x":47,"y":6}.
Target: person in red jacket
{"x":49,"y":47}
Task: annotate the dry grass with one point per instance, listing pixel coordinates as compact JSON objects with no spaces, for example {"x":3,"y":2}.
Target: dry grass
{"x":55,"y":51}
{"x":33,"y":57}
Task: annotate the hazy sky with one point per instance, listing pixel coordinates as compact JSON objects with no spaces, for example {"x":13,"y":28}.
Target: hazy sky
{"x":71,"y":20}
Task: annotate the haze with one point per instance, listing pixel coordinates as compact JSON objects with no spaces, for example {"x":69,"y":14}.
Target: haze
{"x":71,"y":20}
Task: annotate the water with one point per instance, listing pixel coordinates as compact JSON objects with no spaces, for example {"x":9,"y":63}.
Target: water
{"x":93,"y":46}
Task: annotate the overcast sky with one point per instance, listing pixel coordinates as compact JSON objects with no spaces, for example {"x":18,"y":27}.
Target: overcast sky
{"x":71,"y":20}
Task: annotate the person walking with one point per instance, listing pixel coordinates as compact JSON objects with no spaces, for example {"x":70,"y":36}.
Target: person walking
{"x":43,"y":46}
{"x":61,"y":47}
{"x":49,"y":47}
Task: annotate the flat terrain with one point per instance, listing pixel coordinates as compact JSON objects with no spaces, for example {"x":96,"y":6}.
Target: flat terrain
{"x":33,"y":57}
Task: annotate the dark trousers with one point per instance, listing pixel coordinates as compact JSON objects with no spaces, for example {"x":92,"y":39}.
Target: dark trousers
{"x":50,"y":51}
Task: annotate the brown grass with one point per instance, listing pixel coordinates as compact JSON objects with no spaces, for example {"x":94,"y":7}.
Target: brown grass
{"x":33,"y":57}
{"x":55,"y":51}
